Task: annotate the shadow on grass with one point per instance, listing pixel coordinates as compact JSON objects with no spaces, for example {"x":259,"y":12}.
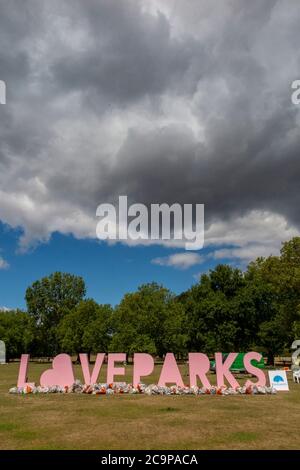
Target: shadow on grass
{"x":169,"y":409}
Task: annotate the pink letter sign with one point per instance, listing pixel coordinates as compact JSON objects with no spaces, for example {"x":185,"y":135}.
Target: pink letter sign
{"x":199,"y":366}
{"x":61,"y":373}
{"x":170,"y":372}
{"x":143,"y":365}
{"x":22,"y":378}
{"x":88,"y":378}
{"x":254,"y":370}
{"x":222,"y":369}
{"x":111,"y":369}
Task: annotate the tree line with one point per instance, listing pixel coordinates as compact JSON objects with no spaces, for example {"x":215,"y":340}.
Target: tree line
{"x":227,"y":310}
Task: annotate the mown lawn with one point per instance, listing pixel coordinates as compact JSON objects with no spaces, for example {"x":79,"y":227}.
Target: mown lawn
{"x":143,"y":422}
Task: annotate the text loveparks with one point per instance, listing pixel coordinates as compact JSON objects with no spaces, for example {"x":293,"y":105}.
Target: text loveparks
{"x":62,"y":374}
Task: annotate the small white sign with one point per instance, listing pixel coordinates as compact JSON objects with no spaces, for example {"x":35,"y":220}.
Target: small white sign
{"x":278,"y":380}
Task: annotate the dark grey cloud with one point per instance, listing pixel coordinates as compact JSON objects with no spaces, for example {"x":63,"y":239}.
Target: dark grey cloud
{"x":163,"y":101}
{"x":240,"y":170}
{"x":131,"y":54}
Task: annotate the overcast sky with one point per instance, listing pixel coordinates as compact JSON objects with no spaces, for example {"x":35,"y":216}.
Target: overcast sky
{"x":166,"y":101}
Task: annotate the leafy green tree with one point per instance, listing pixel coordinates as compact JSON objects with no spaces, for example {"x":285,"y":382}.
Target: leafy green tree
{"x":271,"y":338}
{"x":87,"y":328}
{"x":254,"y":304}
{"x":281,"y":277}
{"x":17,"y":331}
{"x":296,"y":329}
{"x":149,"y":320}
{"x":289,"y":289}
{"x":213,"y":323}
{"x":48,"y":301}
{"x":231,"y":310}
{"x":226,"y":279}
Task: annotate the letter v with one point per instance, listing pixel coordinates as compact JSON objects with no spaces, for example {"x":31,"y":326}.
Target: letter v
{"x":88,"y":378}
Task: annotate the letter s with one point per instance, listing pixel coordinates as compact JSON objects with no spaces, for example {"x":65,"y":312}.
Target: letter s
{"x":254,"y":370}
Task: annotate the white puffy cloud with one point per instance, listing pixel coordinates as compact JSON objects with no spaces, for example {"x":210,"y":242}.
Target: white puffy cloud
{"x":255,"y":234}
{"x":242,"y":239}
{"x":179,"y":260}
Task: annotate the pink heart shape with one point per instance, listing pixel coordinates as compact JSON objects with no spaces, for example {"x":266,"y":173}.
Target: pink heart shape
{"x":61,"y":373}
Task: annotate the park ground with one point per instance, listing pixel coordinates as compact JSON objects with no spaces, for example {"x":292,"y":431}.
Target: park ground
{"x":145,"y":422}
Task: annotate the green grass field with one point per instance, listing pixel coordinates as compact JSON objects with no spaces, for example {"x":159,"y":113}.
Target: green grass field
{"x":143,"y":422}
